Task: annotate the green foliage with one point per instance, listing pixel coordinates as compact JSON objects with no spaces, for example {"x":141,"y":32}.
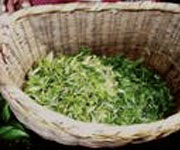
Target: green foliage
{"x":89,"y":88}
{"x":12,"y":133}
{"x":10,"y":128}
{"x":6,"y":114}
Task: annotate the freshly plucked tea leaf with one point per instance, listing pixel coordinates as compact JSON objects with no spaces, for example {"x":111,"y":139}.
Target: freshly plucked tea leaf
{"x":91,"y":88}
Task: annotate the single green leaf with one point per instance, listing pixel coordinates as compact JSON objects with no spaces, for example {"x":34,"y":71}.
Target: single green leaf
{"x":6,"y":113}
{"x":11,"y":133}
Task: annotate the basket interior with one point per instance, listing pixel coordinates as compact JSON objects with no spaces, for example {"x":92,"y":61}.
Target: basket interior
{"x":152,"y":35}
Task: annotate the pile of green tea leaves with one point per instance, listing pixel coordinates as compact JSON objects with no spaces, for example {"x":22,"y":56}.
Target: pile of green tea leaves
{"x":91,"y":88}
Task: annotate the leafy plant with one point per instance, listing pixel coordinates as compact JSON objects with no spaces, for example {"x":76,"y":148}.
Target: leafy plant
{"x":89,"y":88}
{"x":10,"y":129}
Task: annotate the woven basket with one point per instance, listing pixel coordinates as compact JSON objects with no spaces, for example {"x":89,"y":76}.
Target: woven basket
{"x":148,"y":30}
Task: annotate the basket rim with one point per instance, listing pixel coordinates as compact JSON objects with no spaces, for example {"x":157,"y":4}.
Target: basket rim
{"x":91,"y":7}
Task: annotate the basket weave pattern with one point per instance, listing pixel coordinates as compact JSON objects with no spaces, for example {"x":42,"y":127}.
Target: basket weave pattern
{"x":147,"y":30}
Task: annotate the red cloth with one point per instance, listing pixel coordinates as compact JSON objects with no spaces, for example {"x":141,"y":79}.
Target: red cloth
{"x":43,"y":2}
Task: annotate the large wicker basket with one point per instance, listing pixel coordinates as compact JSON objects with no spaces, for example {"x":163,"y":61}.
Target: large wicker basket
{"x":149,"y":30}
